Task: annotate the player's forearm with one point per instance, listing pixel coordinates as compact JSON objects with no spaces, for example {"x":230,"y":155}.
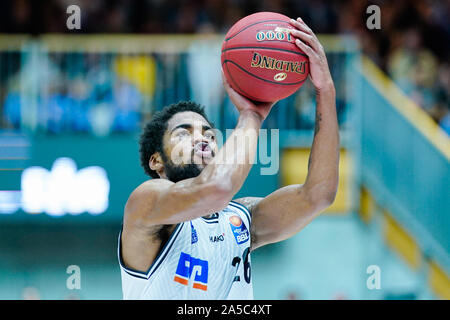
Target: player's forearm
{"x":323,"y":168}
{"x":222,"y":178}
{"x":233,"y":162}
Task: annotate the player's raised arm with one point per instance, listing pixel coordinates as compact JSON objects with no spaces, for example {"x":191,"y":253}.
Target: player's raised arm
{"x":287,"y":210}
{"x":162,"y":201}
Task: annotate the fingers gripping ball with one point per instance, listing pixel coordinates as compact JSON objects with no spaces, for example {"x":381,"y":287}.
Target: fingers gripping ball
{"x":260,"y":59}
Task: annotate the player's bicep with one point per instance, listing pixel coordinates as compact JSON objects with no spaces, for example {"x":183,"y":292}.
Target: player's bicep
{"x":280,"y":215}
{"x":161,"y":201}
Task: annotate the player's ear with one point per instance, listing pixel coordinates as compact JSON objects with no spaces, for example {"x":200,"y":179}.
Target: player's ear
{"x":155,"y":162}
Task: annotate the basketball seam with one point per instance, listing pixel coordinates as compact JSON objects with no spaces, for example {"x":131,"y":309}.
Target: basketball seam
{"x":268,"y":48}
{"x":234,"y":82}
{"x":253,"y":75}
{"x":251,"y":25}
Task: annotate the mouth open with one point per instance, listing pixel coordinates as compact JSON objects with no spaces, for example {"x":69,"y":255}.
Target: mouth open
{"x":203,"y":150}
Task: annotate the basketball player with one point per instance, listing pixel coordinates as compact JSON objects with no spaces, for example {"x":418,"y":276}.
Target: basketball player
{"x":183,"y":237}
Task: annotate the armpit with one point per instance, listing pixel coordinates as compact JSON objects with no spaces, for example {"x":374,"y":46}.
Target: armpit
{"x":249,"y":202}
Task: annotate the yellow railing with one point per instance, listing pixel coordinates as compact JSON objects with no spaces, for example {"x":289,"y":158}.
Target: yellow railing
{"x":135,"y":43}
{"x":406,"y":107}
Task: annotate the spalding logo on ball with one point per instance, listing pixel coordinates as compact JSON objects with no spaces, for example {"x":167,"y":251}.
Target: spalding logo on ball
{"x":260,"y":59}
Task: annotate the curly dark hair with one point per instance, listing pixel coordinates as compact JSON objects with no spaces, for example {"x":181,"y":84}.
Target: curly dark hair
{"x":151,"y":139}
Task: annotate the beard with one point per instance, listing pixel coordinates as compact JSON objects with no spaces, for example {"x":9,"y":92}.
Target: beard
{"x":177,"y":173}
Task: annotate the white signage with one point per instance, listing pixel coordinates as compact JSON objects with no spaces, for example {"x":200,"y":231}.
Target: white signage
{"x":64,"y":190}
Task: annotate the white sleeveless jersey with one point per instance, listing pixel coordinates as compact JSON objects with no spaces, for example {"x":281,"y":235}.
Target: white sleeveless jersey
{"x":205,"y":258}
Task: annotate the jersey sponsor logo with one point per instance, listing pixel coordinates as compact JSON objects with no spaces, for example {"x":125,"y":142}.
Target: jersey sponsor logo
{"x":192,"y":269}
{"x":194,"y":237}
{"x":239,"y":229}
{"x":218,"y":238}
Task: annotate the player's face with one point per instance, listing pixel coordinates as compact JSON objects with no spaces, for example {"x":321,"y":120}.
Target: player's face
{"x":189,"y":145}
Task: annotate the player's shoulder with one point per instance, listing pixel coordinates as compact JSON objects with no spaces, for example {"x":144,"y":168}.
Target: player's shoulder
{"x":142,"y":197}
{"x":248,"y":203}
{"x":153,"y":184}
{"x":149,"y":188}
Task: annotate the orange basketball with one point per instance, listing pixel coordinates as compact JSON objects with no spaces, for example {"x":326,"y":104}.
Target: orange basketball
{"x":260,"y":59}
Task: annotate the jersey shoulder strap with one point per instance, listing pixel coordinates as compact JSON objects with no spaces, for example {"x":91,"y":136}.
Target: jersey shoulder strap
{"x":242,"y":209}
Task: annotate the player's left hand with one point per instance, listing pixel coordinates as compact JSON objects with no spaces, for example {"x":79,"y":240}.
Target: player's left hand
{"x":244,"y":104}
{"x":307,"y":41}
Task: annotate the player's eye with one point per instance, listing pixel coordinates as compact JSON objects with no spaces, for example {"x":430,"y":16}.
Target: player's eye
{"x":210,"y":135}
{"x":182,"y":133}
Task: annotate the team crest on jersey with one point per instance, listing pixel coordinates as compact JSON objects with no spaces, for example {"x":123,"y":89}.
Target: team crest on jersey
{"x":239,"y":229}
{"x":194,"y":237}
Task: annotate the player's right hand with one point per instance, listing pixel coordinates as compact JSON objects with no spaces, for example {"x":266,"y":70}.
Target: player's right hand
{"x":307,"y":41}
{"x":244,"y":104}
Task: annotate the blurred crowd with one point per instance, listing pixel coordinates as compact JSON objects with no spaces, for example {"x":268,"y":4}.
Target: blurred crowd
{"x":412,"y":45}
{"x":90,"y":96}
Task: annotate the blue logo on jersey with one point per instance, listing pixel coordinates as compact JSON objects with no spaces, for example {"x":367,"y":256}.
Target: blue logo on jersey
{"x":188,"y":266}
{"x":194,"y":237}
{"x":239,"y":229}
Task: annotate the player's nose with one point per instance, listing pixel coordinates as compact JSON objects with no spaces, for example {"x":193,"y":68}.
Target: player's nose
{"x":198,"y":136}
{"x":200,"y":142}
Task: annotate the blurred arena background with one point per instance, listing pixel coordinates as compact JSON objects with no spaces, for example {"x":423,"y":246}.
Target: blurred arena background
{"x":72,"y":103}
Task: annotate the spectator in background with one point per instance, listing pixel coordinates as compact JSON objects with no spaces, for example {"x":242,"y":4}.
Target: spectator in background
{"x":127,"y":104}
{"x":441,"y":111}
{"x":445,"y":122}
{"x":12,"y":107}
{"x":18,"y":19}
{"x":399,"y":47}
{"x":187,"y":18}
{"x":204,"y":72}
{"x":25,"y":87}
{"x":414,"y":68}
{"x":56,"y":108}
{"x":78,"y":93}
{"x":101,"y":112}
